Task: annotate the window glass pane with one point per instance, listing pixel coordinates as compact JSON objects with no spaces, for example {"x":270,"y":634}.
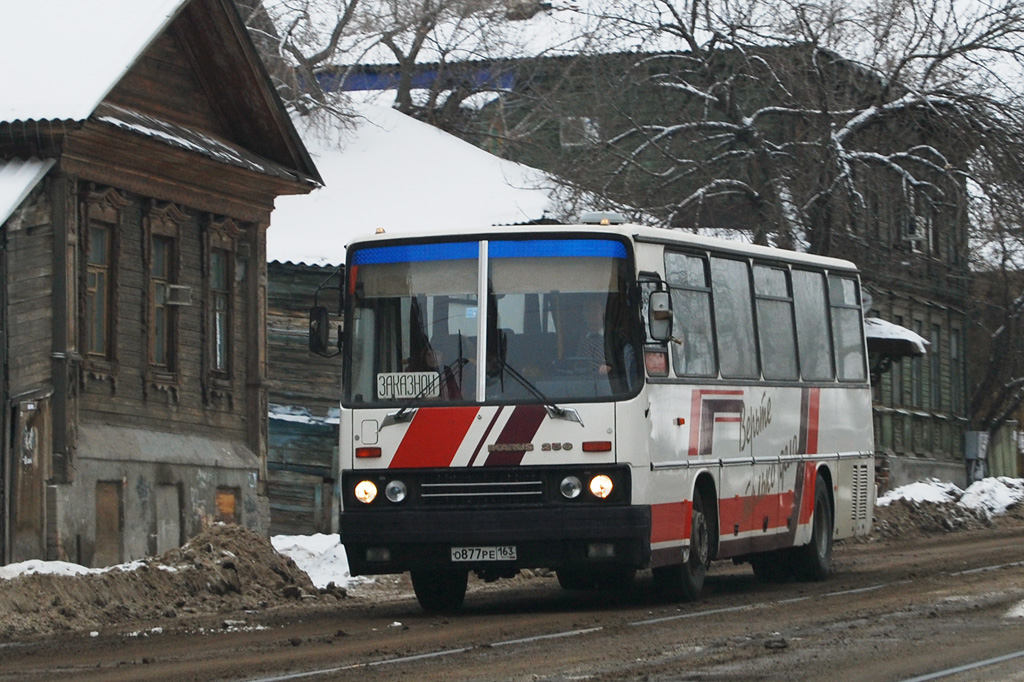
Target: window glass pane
{"x":848,"y":328}
{"x":693,"y":350}
{"x":813,"y":337}
{"x":775,"y":323}
{"x":734,"y":318}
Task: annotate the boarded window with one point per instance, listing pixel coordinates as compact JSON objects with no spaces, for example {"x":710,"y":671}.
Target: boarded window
{"x":227,"y":505}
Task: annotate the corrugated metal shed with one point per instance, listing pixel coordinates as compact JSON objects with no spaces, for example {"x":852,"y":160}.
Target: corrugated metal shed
{"x":17,"y":178}
{"x":59,"y":59}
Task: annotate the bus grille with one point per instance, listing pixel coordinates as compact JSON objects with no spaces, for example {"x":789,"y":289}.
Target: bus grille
{"x":483,"y":488}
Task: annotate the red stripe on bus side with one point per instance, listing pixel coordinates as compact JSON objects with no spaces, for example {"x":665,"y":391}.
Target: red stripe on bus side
{"x":812,"y":421}
{"x":807,"y":501}
{"x":433,"y":437}
{"x":746,"y":514}
{"x":670,"y":521}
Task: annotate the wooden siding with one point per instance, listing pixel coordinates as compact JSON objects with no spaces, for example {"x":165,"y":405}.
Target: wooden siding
{"x":29,"y":257}
{"x":163,"y":84}
{"x":129,"y":395}
{"x":297,"y":376}
{"x":301,"y":477}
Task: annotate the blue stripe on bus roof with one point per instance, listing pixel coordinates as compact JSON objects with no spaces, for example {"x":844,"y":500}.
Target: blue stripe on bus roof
{"x":528,"y":248}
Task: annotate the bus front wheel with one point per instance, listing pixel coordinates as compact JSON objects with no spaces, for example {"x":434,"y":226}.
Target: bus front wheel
{"x":685,"y":581}
{"x":439,"y":591}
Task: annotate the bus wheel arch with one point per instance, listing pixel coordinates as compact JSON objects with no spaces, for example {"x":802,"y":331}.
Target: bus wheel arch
{"x":684,"y":581}
{"x":813,"y":561}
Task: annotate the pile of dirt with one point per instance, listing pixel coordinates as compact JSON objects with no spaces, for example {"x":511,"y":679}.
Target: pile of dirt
{"x":909,"y":518}
{"x":223,"y":570}
{"x":227,"y":571}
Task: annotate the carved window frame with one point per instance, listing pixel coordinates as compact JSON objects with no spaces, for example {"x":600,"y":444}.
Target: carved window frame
{"x":163,"y":222}
{"x":219,"y":305}
{"x":101,"y":207}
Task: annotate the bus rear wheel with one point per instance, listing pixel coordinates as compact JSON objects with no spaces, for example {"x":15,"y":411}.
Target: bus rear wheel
{"x":813,"y":561}
{"x":685,"y":581}
{"x":439,"y":591}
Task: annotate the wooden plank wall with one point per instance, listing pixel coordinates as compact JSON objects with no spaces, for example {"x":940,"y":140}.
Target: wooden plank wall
{"x":300,"y":476}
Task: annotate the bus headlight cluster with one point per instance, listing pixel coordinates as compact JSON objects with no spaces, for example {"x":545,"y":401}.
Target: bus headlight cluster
{"x":395,"y":491}
{"x":600,"y":486}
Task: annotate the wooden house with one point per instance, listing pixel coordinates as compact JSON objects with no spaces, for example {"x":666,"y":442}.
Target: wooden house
{"x":142,"y":146}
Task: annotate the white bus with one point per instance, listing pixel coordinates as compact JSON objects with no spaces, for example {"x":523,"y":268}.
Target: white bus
{"x":598,"y":399}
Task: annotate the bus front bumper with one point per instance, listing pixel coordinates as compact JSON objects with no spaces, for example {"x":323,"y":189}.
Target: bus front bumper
{"x":579,"y":537}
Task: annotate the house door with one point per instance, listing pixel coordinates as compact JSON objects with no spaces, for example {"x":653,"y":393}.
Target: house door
{"x":168,"y":518}
{"x":109,"y":524}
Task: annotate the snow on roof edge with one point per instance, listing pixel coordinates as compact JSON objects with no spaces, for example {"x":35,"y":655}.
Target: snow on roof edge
{"x":17,"y":179}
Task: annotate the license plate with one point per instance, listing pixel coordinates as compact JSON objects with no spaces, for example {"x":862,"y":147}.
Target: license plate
{"x":502,"y":553}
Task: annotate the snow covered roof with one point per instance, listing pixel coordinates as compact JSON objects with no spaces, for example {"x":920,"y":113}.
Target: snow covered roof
{"x":892,"y":339}
{"x":65,"y":57}
{"x":17,"y":178}
{"x":400,"y":175}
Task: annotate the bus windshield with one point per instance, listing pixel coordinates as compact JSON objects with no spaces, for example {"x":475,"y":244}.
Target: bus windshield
{"x":557,"y":318}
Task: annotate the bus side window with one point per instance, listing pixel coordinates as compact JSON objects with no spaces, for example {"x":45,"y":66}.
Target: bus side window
{"x":812,"y":328}
{"x":848,"y":327}
{"x":693,"y":349}
{"x":734,"y":318}
{"x":774,"y":303}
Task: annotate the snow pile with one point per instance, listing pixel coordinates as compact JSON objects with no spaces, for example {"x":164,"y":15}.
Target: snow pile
{"x":934,"y":506}
{"x":321,"y":556}
{"x":989,"y":497}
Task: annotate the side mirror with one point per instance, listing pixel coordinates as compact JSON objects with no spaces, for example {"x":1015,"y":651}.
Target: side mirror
{"x":319,"y":330}
{"x":659,"y":314}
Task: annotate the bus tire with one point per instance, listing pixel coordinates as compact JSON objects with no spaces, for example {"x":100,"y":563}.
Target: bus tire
{"x":813,"y":561}
{"x":439,"y":591}
{"x":685,"y":581}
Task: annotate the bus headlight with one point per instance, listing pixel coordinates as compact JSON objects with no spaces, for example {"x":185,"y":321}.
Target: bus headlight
{"x":601,"y":486}
{"x":571,"y":487}
{"x":396,"y":491}
{"x":366,"y":491}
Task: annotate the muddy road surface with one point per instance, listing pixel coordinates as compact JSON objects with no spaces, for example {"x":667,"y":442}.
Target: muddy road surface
{"x":907,"y":606}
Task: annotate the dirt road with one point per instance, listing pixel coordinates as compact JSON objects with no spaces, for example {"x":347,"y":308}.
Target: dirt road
{"x":896,"y":608}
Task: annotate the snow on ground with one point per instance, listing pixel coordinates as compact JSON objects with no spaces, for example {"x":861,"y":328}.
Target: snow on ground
{"x":990,"y":496}
{"x":323,"y":557}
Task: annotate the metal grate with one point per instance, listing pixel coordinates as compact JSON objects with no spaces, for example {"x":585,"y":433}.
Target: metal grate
{"x":482,"y":488}
{"x":860,"y":492}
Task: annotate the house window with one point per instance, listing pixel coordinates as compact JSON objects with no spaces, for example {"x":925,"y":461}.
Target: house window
{"x":579,"y":131}
{"x":98,"y":284}
{"x":897,"y":373}
{"x":220,"y":312}
{"x":163,"y":319}
{"x":955,"y":372}
{"x":98,"y":289}
{"x":916,"y":371}
{"x":934,"y":367}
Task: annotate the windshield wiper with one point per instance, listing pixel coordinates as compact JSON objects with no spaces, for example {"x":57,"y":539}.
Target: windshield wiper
{"x":554,"y":411}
